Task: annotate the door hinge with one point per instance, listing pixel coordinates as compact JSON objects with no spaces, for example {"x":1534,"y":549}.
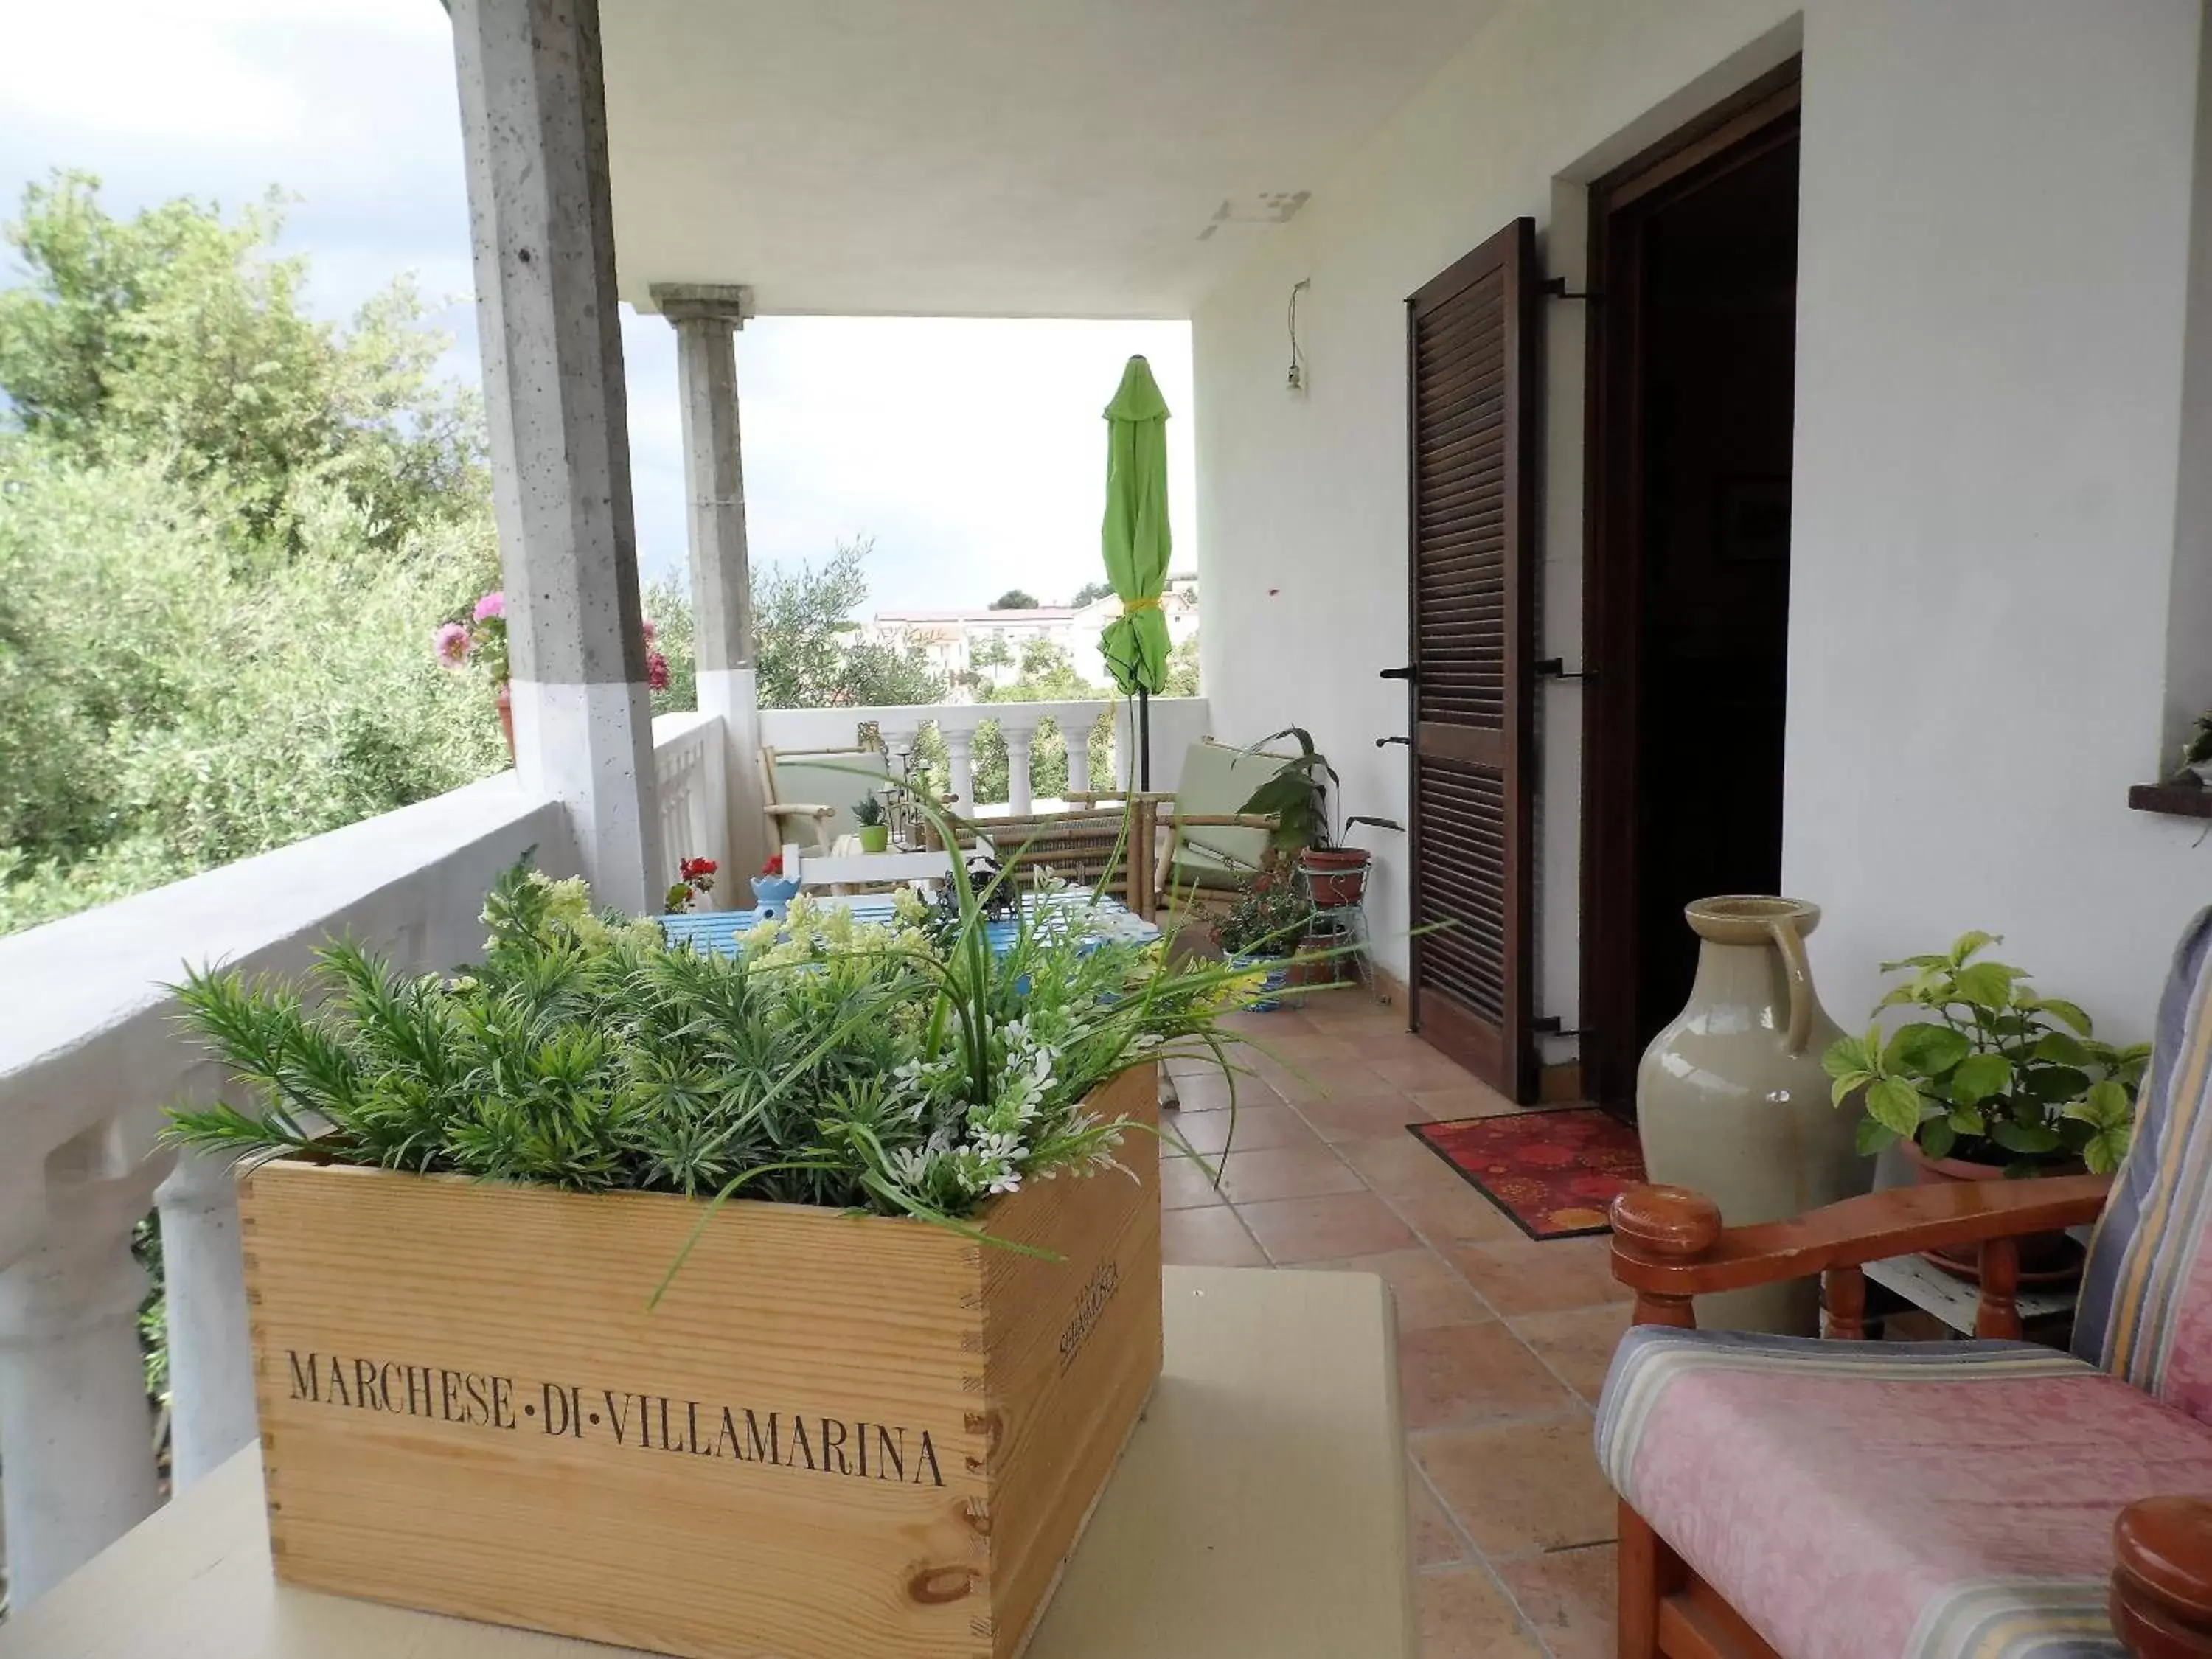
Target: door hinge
{"x":1384,"y":742}
{"x":1412,"y":671}
{"x":1552,"y":1025}
{"x":1555,"y":287}
{"x":1555,"y":668}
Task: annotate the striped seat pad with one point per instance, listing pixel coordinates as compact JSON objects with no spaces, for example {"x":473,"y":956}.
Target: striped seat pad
{"x":1938,"y":1500}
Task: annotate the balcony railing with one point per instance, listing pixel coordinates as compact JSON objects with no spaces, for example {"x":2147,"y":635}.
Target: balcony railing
{"x":89,"y":1054}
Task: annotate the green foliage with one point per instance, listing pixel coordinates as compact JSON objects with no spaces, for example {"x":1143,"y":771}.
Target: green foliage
{"x":1182,"y":671}
{"x":1298,"y":794}
{"x":668,"y":608}
{"x":1015,"y":599}
{"x":2000,"y":1075}
{"x":901,"y":1069}
{"x":806,"y":655}
{"x":1090,"y":590}
{"x":229,"y":531}
{"x":178,"y":339}
{"x":868,"y":810}
{"x":1268,"y":918}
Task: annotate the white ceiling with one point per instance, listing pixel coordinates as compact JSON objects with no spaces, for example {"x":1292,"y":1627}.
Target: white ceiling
{"x":1000,"y":158}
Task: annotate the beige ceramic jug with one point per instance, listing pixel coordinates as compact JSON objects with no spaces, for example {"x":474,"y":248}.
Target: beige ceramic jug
{"x":1731,"y":1099}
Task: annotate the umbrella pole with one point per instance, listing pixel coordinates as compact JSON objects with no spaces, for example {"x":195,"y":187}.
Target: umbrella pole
{"x":1143,"y":738}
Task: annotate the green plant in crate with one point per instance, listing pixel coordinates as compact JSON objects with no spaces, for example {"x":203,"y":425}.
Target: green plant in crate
{"x":1268,"y":918}
{"x":1997,"y":1074}
{"x":890,"y":1067}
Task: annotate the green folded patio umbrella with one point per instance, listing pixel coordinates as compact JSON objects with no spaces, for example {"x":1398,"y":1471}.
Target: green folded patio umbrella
{"x":1135,"y":541}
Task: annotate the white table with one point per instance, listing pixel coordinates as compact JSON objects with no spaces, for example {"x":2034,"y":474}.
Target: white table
{"x":1259,"y":1513}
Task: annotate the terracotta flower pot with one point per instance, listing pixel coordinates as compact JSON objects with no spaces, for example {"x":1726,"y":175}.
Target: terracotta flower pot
{"x":1336,"y":875}
{"x":2045,"y":1258}
{"x":506,"y":719}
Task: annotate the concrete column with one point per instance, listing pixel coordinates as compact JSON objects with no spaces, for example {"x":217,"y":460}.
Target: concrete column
{"x":533,"y":126}
{"x":1075,"y":732}
{"x":210,"y":1353}
{"x":76,"y":1435}
{"x":707,"y":318}
{"x":1018,"y":740}
{"x":960,"y":758}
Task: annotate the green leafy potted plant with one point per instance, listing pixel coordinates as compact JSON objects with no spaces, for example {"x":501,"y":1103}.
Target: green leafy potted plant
{"x":1297,"y":797}
{"x":1996,"y":1080}
{"x":875,"y":826}
{"x":1262,"y":931}
{"x":2196,"y":752}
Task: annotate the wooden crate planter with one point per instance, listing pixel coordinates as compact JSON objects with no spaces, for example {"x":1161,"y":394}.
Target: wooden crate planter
{"x":837,"y":1438}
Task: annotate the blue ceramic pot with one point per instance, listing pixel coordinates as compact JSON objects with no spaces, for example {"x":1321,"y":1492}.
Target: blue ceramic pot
{"x":772,"y":895}
{"x":1279,"y":976}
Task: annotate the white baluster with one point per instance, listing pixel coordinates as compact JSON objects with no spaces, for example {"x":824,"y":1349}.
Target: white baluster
{"x":960,"y":754}
{"x":1018,"y":741}
{"x":1076,"y":729}
{"x":76,"y":1435}
{"x":210,"y":1353}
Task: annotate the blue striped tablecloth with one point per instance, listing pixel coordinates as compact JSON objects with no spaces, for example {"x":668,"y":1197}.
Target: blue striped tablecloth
{"x":1073,"y":908}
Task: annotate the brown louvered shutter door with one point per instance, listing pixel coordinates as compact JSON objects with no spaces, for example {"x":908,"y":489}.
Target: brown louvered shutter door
{"x":1471,"y":374}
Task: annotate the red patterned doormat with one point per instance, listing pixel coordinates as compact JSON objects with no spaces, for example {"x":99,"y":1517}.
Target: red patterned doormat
{"x":1553,"y":1171}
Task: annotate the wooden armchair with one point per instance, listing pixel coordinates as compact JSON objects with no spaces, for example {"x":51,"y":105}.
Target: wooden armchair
{"x":1669,"y":1245}
{"x":1983,"y":1499}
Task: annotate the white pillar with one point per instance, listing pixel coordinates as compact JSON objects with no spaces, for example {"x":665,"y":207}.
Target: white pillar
{"x":76,"y":1435}
{"x":960,"y":760}
{"x":1075,"y":731}
{"x":210,"y":1353}
{"x":533,"y":126}
{"x":707,"y":318}
{"x":1018,"y":739}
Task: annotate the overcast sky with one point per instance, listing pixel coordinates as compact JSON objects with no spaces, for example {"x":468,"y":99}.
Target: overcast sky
{"x":972,"y":452}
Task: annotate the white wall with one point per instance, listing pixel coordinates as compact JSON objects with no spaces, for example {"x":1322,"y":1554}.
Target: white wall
{"x":1302,"y":498}
{"x":1994,"y":276}
{"x":1992,"y":283}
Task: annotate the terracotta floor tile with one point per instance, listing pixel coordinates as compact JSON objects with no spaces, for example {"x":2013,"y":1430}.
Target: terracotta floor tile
{"x":1436,"y":1541}
{"x":1376,"y":1115}
{"x":1516,"y":1488}
{"x":1308,"y":1047}
{"x":1465,"y":1098}
{"x":1398,"y":1163}
{"x":1254,"y":1178}
{"x":1186,"y":1183}
{"x":1256,"y":1128}
{"x":1415,"y":1068}
{"x":1569,"y":1600}
{"x":1465,"y":1615}
{"x":1577,"y":1344}
{"x":1329,"y":1079}
{"x":1524,"y":1275}
{"x":1296,"y":1230}
{"x":1427,"y":1291}
{"x":1212,"y":1092}
{"x":1456,"y":1375}
{"x":1456,"y":1214}
{"x":1207,"y":1238}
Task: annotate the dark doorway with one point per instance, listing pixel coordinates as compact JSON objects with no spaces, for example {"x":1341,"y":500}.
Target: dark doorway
{"x":1694,"y":257}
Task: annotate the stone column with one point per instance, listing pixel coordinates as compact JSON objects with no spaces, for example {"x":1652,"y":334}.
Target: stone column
{"x":960,"y":759}
{"x":75,"y":1428}
{"x":707,"y":318}
{"x":533,"y":126}
{"x":1018,"y":739}
{"x":210,"y":1353}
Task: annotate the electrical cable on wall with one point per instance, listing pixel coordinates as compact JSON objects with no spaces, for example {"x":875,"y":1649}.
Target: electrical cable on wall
{"x":1297,"y":379}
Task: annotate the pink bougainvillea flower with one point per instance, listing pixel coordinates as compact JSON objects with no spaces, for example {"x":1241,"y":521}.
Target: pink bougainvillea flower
{"x":453,"y":645}
{"x":493,"y":603}
{"x":652,"y":630}
{"x":656,"y":671}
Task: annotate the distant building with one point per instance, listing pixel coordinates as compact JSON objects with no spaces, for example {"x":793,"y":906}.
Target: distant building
{"x":986,"y":645}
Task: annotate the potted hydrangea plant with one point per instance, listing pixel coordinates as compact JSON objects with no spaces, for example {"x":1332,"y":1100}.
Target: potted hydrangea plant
{"x":1991,"y":1079}
{"x":481,"y":642}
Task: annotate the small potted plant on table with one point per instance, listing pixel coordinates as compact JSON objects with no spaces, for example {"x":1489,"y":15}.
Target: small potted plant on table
{"x":1998,"y":1082}
{"x":875,"y":825}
